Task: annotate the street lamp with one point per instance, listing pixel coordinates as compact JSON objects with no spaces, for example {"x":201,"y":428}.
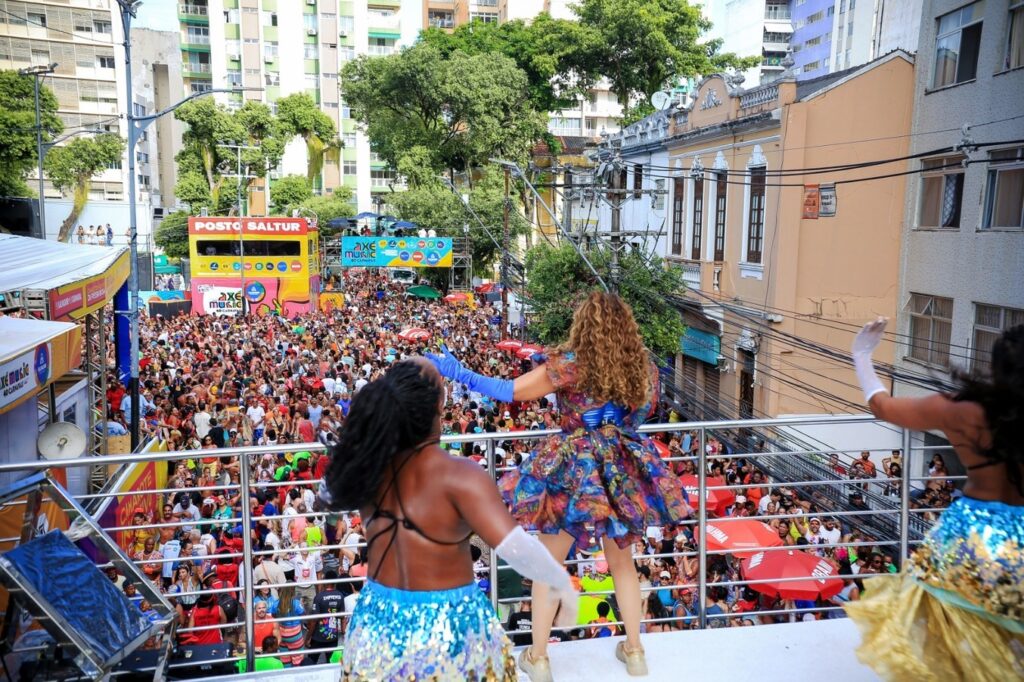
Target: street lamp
{"x":137,"y":125}
{"x":37,"y":72}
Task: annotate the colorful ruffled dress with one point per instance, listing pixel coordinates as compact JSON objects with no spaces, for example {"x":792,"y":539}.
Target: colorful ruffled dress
{"x":958,"y":611}
{"x":599,"y":477}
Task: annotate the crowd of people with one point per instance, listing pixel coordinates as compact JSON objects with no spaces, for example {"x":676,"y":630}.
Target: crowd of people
{"x":214,"y":382}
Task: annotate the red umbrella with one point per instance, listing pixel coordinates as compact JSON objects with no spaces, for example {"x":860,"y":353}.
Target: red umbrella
{"x":457,"y":297}
{"x":527,"y":352}
{"x":414,"y":334}
{"x":509,"y":345}
{"x":662,"y":449}
{"x":820,"y":578}
{"x":741,"y":535}
{"x":717,"y":500}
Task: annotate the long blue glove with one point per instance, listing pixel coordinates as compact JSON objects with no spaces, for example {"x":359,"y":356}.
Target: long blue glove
{"x":450,"y":368}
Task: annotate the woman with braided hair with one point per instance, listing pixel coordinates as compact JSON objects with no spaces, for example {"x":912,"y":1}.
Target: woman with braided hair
{"x":598,"y":478}
{"x":420,"y":616}
{"x":957,"y":612}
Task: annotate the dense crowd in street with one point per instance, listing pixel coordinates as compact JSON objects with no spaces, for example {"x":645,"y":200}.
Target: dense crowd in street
{"x":214,"y":382}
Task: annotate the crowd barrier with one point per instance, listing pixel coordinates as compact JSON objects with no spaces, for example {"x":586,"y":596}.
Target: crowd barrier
{"x":898,"y":507}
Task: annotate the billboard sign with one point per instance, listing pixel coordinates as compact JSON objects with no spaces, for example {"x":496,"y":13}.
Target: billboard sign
{"x":396,"y":252}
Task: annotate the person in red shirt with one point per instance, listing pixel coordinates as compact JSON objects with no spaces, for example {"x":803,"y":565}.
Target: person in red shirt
{"x":115,"y":393}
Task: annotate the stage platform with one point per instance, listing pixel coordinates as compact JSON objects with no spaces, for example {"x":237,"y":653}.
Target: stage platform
{"x":796,"y":651}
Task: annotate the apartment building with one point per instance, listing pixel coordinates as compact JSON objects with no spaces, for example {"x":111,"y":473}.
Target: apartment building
{"x":81,"y":37}
{"x":963,"y":235}
{"x":753,"y":27}
{"x":298,"y":46}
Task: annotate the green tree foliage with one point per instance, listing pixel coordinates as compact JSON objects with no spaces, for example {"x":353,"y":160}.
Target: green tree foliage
{"x":643,"y":45}
{"x":172,"y":235}
{"x":209,"y":126}
{"x":289,"y":192}
{"x":558,"y":279}
{"x":547,"y":50}
{"x":266,"y":138}
{"x":71,"y":168}
{"x":17,"y":130}
{"x":193,"y":190}
{"x":328,"y":207}
{"x":463,"y":108}
{"x":298,"y":114}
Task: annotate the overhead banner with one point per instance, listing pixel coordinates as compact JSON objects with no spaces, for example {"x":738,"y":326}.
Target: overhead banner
{"x":812,"y":202}
{"x":21,"y":375}
{"x":396,"y":252}
{"x":250,"y":226}
{"x":75,"y":301}
{"x":827,"y":200}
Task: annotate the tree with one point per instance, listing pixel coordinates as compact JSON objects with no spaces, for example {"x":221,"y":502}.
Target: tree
{"x":209,"y":126}
{"x":193,"y":190}
{"x":289,"y":192}
{"x":559,"y":279}
{"x":17,"y":130}
{"x":328,"y":207}
{"x":172,"y":235}
{"x":643,"y":45}
{"x":72,"y":166}
{"x":265,"y":143}
{"x":463,"y":108}
{"x":299,"y":114}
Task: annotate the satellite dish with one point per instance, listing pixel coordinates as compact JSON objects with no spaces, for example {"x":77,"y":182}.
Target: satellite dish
{"x":61,"y":440}
{"x":661,"y":100}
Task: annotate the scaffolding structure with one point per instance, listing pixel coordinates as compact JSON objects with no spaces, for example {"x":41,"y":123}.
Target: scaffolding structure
{"x":460,"y":276}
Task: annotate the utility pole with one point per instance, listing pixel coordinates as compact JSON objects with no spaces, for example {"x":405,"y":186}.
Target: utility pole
{"x":37,"y":72}
{"x":505,"y":321}
{"x":241,"y":176}
{"x":617,"y":199}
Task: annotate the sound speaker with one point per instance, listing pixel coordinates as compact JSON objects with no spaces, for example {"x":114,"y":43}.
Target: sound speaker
{"x":205,"y":660}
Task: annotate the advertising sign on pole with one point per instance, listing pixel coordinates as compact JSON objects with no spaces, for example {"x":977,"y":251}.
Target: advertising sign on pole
{"x":827,"y":200}
{"x":812,"y":202}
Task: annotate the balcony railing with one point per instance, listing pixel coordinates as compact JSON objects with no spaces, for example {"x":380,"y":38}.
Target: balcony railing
{"x":193,"y":10}
{"x":380,"y":50}
{"x":884,"y":522}
{"x":776,"y":12}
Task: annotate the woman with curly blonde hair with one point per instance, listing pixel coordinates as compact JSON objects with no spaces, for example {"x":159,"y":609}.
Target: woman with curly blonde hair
{"x":599,"y":477}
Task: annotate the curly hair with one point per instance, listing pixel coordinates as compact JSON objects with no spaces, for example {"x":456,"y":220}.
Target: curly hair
{"x":611,"y":361}
{"x":1001,"y":396}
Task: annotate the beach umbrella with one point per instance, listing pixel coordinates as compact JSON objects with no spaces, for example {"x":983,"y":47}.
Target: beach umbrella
{"x":457,"y":297}
{"x":366,"y":214}
{"x":414,"y":334}
{"x":510,"y":345}
{"x":717,"y":500}
{"x":741,"y":537}
{"x":527,"y":352}
{"x":774,"y":572}
{"x":423,"y":291}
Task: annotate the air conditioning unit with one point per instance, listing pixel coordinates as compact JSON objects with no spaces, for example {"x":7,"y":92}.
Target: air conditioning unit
{"x":234,"y":57}
{"x":268,"y":59}
{"x":311,"y":31}
{"x":311,"y":2}
{"x":343,"y":34}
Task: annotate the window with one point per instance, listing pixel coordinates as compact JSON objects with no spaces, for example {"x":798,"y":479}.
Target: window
{"x":348,"y":168}
{"x":440,"y":19}
{"x":638,"y":181}
{"x":348,"y":140}
{"x":143,"y":180}
{"x":37,"y":18}
{"x":381,"y":176}
{"x":232,"y":16}
{"x":346,"y":25}
{"x":816,"y":40}
{"x":309,"y":22}
{"x":755,"y":217}
{"x":849,"y":29}
{"x":234,"y":78}
{"x":812,"y":66}
{"x":942,"y":192}
{"x":105,"y":62}
{"x":956,"y":45}
{"x":1004,"y":193}
{"x":659,"y":195}
{"x":486,"y":17}
{"x":1015,"y":38}
{"x":989,"y":323}
{"x":310,"y":51}
{"x":198,"y":35}
{"x":269,"y":51}
{"x":677,"y":215}
{"x":721,"y":199}
{"x":817,"y":16}
{"x":269,"y":18}
{"x":272,"y":78}
{"x":311,"y":81}
{"x":698,"y":217}
{"x":931,"y":325}
{"x":200,"y":86}
{"x":346,"y":53}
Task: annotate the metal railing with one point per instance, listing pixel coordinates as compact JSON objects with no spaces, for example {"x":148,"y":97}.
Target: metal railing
{"x":892,"y":538}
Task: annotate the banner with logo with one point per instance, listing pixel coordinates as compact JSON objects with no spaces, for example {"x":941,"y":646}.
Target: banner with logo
{"x":812,"y":202}
{"x":396,"y":252}
{"x":24,"y":374}
{"x":75,"y":301}
{"x":248,"y":226}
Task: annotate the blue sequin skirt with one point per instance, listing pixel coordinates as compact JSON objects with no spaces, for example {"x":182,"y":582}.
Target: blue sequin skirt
{"x":397,"y":635}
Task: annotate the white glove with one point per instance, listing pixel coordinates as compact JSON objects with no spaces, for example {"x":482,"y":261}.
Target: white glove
{"x":529,"y":558}
{"x":864,"y":344}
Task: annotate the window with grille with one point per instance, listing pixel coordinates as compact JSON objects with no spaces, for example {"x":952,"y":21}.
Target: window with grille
{"x":677,"y":215}
{"x":721,"y":199}
{"x":990,"y":322}
{"x":755,"y":217}
{"x":942,"y":192}
{"x":638,"y":181}
{"x":931,"y":326}
{"x":698,"y":217}
{"x":1004,"y":193}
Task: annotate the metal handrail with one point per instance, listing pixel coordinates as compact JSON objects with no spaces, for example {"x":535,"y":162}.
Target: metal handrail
{"x":896,"y":515}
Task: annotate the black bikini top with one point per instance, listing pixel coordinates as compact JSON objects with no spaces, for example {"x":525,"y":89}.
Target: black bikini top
{"x":403,"y":521}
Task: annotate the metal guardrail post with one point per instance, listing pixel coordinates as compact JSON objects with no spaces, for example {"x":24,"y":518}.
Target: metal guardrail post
{"x":702,"y":520}
{"x":904,"y":536}
{"x":250,"y":626}
{"x":492,"y":558}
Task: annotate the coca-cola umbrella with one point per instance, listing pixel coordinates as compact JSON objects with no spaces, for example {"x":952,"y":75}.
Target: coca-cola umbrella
{"x":457,"y":297}
{"x":792,"y":574}
{"x":741,"y":537}
{"x":717,"y":500}
{"x":527,"y":352}
{"x":414,"y":334}
{"x":510,"y":345}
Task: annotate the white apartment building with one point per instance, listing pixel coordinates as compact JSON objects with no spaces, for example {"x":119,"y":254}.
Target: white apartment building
{"x":289,"y":46}
{"x":753,"y":27}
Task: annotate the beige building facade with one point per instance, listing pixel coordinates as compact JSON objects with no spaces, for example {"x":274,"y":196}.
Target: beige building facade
{"x":769,"y":274}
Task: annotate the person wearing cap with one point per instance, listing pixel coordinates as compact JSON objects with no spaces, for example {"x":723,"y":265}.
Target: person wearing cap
{"x":420,"y":614}
{"x":610,"y":476}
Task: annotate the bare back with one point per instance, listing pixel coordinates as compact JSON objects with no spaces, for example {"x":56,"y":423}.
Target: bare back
{"x":434,"y":505}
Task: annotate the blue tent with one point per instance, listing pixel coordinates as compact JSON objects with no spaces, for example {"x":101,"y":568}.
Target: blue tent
{"x":366,"y":214}
{"x":340,"y":223}
{"x":403,"y":224}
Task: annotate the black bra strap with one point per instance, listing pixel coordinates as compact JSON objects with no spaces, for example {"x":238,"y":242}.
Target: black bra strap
{"x":982,"y":465}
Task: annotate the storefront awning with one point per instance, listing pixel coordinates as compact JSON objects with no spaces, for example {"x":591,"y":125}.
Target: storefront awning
{"x":33,"y":354}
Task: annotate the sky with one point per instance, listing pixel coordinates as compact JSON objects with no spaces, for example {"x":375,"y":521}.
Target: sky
{"x":158,"y":14}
